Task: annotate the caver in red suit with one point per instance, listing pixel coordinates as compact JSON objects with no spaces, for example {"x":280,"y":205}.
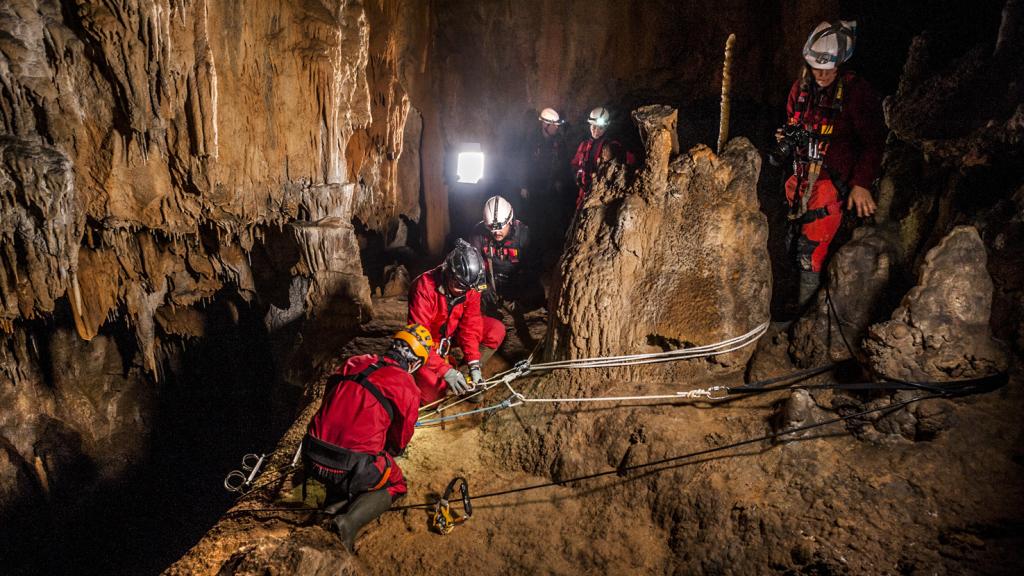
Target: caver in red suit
{"x":453,"y":317}
{"x":353,"y":418}
{"x":853,"y":157}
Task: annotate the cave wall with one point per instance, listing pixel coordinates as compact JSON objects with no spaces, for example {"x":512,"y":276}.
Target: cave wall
{"x":161,"y":156}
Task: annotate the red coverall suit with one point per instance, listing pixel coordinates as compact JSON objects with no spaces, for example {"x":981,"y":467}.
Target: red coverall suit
{"x":853,"y":157}
{"x":588,"y":158}
{"x":352,"y":418}
{"x":429,"y":306}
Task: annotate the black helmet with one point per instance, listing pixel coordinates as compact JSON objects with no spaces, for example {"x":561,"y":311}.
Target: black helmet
{"x":463,"y":266}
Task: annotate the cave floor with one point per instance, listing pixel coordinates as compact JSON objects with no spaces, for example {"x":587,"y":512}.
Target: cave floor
{"x":823,"y":504}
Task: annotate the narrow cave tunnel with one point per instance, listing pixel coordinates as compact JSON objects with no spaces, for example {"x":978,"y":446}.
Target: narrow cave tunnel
{"x":208,"y":206}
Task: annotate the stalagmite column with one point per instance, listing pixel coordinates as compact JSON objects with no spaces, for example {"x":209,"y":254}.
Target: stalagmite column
{"x":675,"y":258}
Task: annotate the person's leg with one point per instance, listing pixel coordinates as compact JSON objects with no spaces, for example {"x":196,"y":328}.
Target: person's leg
{"x":369,"y":505}
{"x":816,"y":237}
{"x":364,"y":508}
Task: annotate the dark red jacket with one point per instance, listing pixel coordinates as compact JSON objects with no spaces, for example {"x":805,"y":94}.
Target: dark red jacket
{"x":351,"y":417}
{"x":503,"y":259}
{"x":588,"y":157}
{"x":858,"y":139}
{"x":429,"y":306}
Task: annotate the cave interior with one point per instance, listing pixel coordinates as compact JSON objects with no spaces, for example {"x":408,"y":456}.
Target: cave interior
{"x":207,"y":205}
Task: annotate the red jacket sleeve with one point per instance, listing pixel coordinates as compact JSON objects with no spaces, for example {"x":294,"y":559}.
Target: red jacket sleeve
{"x":423,"y":302}
{"x":471,"y":327}
{"x":794,"y":94}
{"x":869,"y":128}
{"x":407,"y":404}
{"x":579,"y":158}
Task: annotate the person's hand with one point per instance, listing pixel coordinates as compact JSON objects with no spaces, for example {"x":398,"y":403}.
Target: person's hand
{"x":860,"y":197}
{"x":456,"y":382}
{"x":524,"y":193}
{"x":475,"y":374}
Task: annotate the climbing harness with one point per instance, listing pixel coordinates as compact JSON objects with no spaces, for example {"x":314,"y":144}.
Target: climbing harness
{"x":240,"y":481}
{"x":444,"y":519}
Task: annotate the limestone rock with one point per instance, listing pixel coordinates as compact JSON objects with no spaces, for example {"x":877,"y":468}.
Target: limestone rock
{"x":676,"y":258}
{"x":305,"y":552}
{"x":858,"y":276}
{"x":941,"y":329}
{"x":396,"y":281}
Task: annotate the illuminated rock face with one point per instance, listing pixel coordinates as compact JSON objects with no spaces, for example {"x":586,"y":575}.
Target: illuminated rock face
{"x":676,"y":257}
{"x":157,"y":157}
{"x":941,"y":330}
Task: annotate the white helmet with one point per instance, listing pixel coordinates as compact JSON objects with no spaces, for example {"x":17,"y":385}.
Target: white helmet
{"x":830,"y":44}
{"x":549,"y":116}
{"x":599,"y":117}
{"x":497,"y":213}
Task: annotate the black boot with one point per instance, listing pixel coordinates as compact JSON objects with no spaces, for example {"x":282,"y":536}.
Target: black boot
{"x":810,"y":282}
{"x":364,"y":508}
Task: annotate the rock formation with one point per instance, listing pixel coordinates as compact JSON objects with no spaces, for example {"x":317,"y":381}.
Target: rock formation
{"x":941,"y":330}
{"x":158,"y":157}
{"x":859,"y":276}
{"x":676,"y":258}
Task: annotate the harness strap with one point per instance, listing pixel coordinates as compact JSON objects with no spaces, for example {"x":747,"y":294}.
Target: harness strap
{"x":818,"y":213}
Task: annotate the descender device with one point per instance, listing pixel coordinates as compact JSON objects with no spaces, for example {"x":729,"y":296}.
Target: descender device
{"x":444,"y":519}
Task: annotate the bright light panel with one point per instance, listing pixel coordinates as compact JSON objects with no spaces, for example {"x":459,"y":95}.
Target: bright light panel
{"x":470,"y":167}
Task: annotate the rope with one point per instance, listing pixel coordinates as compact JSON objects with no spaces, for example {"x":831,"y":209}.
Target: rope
{"x":715,"y":349}
{"x":507,"y":403}
{"x":622,"y":470}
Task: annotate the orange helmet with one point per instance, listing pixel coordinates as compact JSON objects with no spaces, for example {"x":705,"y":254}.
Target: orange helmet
{"x":419,"y":341}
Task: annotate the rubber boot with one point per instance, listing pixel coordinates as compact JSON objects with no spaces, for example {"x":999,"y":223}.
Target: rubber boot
{"x":485,"y":355}
{"x":810,"y":282}
{"x":364,"y":508}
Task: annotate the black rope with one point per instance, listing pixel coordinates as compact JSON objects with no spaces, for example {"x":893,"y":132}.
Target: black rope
{"x":621,"y":470}
{"x":954,"y":388}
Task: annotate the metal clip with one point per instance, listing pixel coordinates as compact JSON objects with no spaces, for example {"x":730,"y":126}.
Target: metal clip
{"x":443,"y":346}
{"x":240,"y":482}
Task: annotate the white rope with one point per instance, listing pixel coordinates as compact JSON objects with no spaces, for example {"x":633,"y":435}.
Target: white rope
{"x":506,"y":377}
{"x":708,"y":393}
{"x":715,"y":349}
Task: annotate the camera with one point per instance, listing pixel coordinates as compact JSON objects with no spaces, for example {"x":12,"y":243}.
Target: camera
{"x":793,"y":136}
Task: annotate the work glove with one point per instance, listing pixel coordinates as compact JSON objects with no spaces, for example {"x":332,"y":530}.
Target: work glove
{"x":456,"y":382}
{"x":475,"y":374}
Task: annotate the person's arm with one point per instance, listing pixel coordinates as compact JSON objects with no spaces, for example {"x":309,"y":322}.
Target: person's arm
{"x":471,"y":327}
{"x":423,"y":302}
{"x":869,"y":137}
{"x":407,"y":404}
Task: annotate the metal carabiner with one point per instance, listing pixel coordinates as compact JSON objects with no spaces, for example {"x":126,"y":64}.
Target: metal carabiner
{"x":443,"y":346}
{"x":251,"y":461}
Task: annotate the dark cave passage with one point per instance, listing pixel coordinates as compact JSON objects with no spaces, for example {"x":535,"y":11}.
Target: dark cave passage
{"x":217,"y":401}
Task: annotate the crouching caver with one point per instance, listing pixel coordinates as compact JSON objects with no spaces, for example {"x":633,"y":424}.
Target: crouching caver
{"x":504,"y":243}
{"x":366,"y":419}
{"x":446,"y":300}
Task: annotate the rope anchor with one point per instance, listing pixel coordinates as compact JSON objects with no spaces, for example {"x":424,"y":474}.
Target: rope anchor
{"x":240,"y":481}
